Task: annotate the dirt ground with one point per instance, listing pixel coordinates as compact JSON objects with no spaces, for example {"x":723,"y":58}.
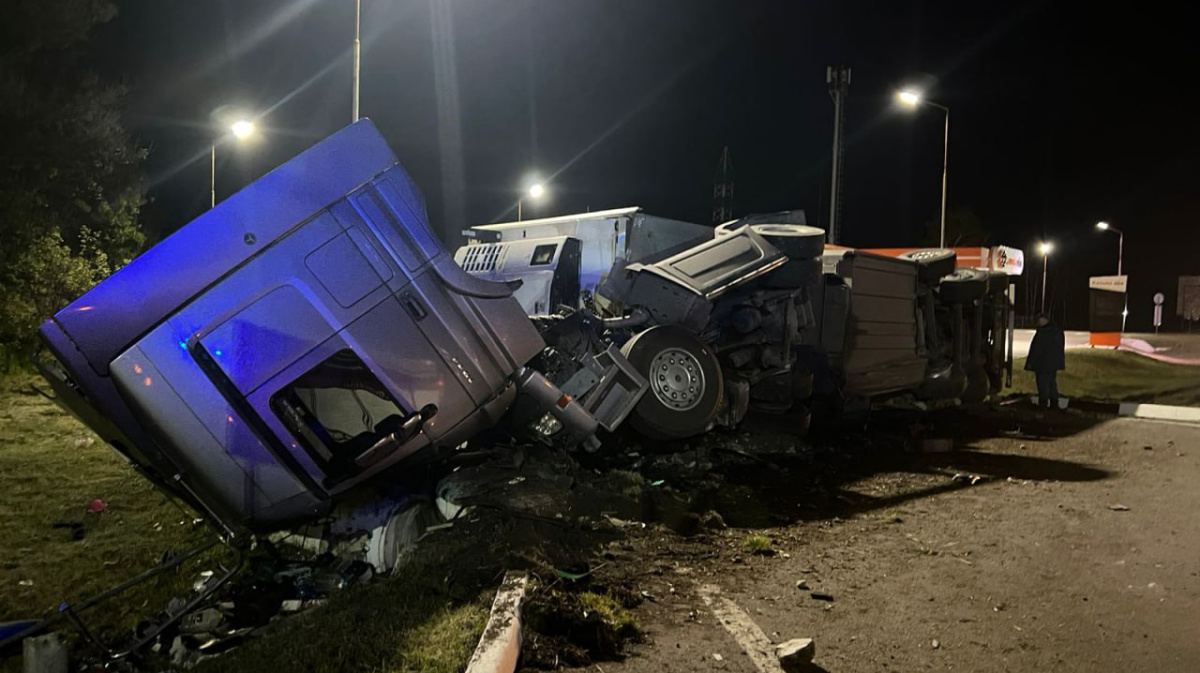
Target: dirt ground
{"x":1076,"y":549}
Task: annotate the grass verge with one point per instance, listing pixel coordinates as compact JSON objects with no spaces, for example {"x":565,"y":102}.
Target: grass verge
{"x":51,"y":466}
{"x":1114,"y":376}
{"x":389,"y":625}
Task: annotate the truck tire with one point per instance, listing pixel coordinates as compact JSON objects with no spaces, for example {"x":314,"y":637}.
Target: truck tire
{"x":795,"y":273}
{"x":685,"y":383}
{"x":933,"y":263}
{"x":963,"y":286}
{"x":797,"y":241}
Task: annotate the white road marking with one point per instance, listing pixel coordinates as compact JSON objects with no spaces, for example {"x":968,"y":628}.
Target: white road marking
{"x":748,"y":635}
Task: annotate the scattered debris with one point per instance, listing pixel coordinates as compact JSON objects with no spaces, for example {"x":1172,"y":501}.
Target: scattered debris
{"x":817,"y":595}
{"x":937,"y":644}
{"x":44,"y":654}
{"x":972,"y":478}
{"x":1119,"y":508}
{"x":1148,"y":448}
{"x":717,"y":656}
{"x":802,"y":585}
{"x":26,"y":583}
{"x":96,"y":506}
{"x":796,"y":656}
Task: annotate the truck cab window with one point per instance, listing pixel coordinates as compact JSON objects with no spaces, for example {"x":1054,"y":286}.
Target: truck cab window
{"x":338,"y":409}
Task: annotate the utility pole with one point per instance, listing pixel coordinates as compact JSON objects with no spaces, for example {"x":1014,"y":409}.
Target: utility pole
{"x":357,"y":56}
{"x":838,"y":80}
{"x":723,"y":189}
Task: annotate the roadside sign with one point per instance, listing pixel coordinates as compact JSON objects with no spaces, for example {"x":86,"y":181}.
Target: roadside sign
{"x":1108,"y":283}
{"x":1158,"y":298}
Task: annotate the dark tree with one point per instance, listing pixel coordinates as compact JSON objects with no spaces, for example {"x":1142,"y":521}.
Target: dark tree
{"x":70,"y":188}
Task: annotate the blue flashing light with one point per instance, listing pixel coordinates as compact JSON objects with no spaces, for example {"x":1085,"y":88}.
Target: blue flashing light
{"x":217,"y":352}
{"x":183,"y":345}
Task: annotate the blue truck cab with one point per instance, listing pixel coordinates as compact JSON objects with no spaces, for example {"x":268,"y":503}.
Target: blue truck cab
{"x":300,"y":338}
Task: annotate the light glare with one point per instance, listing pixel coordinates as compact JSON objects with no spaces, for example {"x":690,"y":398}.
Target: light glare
{"x":1102,"y":226}
{"x":909,"y":97}
{"x":242,"y":129}
{"x":536,"y":190}
{"x":1047,"y":247}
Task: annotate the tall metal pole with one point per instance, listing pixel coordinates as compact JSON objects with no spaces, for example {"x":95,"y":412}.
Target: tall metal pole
{"x":357,"y":55}
{"x":945,"y":168}
{"x":1045,"y":266}
{"x":838,"y":79}
{"x":212,"y":178}
{"x":519,"y":202}
{"x":1120,"y":249}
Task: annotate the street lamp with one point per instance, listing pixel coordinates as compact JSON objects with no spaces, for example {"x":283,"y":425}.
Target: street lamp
{"x":1105,"y":226}
{"x":911,"y":99}
{"x":357,"y":57}
{"x":1046,"y":248}
{"x":241,"y":130}
{"x":535,"y":191}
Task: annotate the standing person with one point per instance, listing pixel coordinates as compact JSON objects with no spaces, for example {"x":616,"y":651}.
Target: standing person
{"x":1046,"y":358}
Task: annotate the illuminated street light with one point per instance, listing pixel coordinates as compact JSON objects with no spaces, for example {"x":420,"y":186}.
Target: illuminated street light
{"x":911,"y":99}
{"x":242,"y":130}
{"x":535,"y":191}
{"x":1105,"y":226}
{"x":1046,"y":248}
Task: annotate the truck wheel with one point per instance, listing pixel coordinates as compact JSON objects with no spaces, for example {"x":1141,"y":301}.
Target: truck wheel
{"x":963,"y":286}
{"x":797,"y":241}
{"x":933,"y":263}
{"x":685,"y":383}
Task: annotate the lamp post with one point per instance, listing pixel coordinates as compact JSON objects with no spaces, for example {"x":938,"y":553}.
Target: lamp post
{"x":241,"y":130}
{"x":911,"y":98}
{"x":357,"y":58}
{"x":1105,"y":226}
{"x":535,"y":191}
{"x":1046,"y":248}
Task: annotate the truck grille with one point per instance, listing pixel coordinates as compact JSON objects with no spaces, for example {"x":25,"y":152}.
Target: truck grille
{"x":481,"y":258}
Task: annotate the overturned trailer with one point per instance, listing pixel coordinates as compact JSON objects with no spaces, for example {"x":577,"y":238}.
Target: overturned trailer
{"x":310,"y":334}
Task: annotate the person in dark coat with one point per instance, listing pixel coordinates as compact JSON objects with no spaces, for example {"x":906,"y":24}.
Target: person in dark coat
{"x":1046,"y":359}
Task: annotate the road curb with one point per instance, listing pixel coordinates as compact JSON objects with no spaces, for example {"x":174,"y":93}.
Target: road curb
{"x":499,"y":647}
{"x":1162,"y":412}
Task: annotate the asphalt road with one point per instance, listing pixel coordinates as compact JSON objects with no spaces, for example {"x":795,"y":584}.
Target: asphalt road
{"x":1077,"y":549}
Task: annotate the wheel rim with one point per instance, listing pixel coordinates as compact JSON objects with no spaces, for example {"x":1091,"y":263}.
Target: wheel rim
{"x":677,"y":379}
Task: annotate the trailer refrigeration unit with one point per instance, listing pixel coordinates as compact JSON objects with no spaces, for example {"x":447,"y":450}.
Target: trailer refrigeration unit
{"x":310,"y":335}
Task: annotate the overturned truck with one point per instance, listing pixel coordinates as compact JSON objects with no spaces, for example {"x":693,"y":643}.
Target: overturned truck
{"x":311,"y":335}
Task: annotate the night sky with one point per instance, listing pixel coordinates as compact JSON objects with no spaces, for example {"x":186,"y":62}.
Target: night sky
{"x":1062,"y":113}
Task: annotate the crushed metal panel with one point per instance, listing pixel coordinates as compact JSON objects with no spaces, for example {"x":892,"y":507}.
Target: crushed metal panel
{"x":881,"y":329}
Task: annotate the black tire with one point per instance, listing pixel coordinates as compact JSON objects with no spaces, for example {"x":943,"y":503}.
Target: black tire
{"x":933,"y":263}
{"x":685,"y":383}
{"x":797,"y":241}
{"x":963,"y":286}
{"x":795,"y":273}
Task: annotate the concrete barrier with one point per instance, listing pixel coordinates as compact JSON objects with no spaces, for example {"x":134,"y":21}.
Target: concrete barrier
{"x":499,"y":647}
